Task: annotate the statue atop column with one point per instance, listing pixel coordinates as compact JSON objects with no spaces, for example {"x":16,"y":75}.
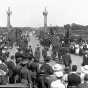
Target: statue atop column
{"x":45,"y":13}
{"x":9,"y":12}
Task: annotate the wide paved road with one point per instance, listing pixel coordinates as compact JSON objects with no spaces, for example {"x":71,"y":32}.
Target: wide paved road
{"x":77,"y":60}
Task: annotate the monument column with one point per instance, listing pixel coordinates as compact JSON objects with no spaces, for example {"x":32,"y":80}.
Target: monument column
{"x":45,"y":13}
{"x":8,"y":17}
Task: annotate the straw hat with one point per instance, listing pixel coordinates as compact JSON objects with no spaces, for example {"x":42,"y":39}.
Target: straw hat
{"x":57,"y":67}
{"x":58,"y":74}
{"x":58,"y":70}
{"x":84,"y":69}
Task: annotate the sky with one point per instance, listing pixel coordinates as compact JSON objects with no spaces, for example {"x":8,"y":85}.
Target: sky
{"x":30,"y":12}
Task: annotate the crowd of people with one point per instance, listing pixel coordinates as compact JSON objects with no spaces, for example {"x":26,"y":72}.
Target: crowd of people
{"x":25,"y":67}
{"x":78,"y":47}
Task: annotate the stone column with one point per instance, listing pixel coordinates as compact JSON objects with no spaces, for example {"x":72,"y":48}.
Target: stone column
{"x":45,"y":13}
{"x":8,"y":17}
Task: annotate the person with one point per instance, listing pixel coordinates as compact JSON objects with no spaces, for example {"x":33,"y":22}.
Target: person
{"x":85,"y":59}
{"x":65,"y":76}
{"x":44,"y":52}
{"x":85,"y":84}
{"x":67,"y":59}
{"x":3,"y":73}
{"x":18,"y":55}
{"x":73,"y":78}
{"x":25,"y":74}
{"x":45,"y":71}
{"x":11,"y":67}
{"x":34,"y":68}
{"x":58,"y":72}
{"x":37,"y":53}
{"x":30,"y":50}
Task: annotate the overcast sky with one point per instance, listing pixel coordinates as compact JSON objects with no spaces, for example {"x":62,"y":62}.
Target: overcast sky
{"x":29,"y":12}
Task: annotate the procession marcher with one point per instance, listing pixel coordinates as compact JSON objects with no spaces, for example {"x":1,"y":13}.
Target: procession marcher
{"x":73,"y":78}
{"x":12,"y":68}
{"x":34,"y":67}
{"x":85,"y":84}
{"x":45,"y":71}
{"x":29,"y":53}
{"x":85,"y":59}
{"x":77,"y":49}
{"x":67,"y":59}
{"x":18,"y":67}
{"x":58,"y":72}
{"x":30,"y":50}
{"x":65,"y":76}
{"x":72,"y":48}
{"x":81,"y":50}
{"x":18,"y":55}
{"x":37,"y":53}
{"x":25,"y":74}
{"x":44,"y":52}
{"x":3,"y":73}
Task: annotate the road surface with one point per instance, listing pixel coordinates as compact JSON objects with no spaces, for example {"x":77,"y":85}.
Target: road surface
{"x":77,"y":60}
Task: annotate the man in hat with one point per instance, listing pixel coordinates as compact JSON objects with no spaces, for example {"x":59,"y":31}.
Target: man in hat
{"x":44,"y":52}
{"x":46,"y":67}
{"x":19,"y":58}
{"x":58,"y":72}
{"x":34,"y":67}
{"x":25,"y":74}
{"x":67,"y":59}
{"x":85,"y":59}
{"x":37,"y":53}
{"x":30,"y":50}
{"x":18,"y":55}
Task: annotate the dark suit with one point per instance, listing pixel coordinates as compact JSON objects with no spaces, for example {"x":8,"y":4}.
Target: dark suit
{"x":37,"y":54}
{"x":11,"y":73}
{"x":34,"y":67}
{"x":67,"y":60}
{"x":45,"y":71}
{"x":44,"y":53}
{"x":85,"y":60}
{"x":73,"y":79}
{"x":25,"y":75}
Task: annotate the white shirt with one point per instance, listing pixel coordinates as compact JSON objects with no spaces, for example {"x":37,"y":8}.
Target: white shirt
{"x":57,"y":84}
{"x":65,"y":77}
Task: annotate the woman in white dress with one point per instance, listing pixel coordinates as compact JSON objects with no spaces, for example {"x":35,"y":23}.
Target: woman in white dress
{"x":77,"y":49}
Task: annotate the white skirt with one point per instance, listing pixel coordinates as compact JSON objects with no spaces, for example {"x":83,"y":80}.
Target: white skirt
{"x":77,"y":51}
